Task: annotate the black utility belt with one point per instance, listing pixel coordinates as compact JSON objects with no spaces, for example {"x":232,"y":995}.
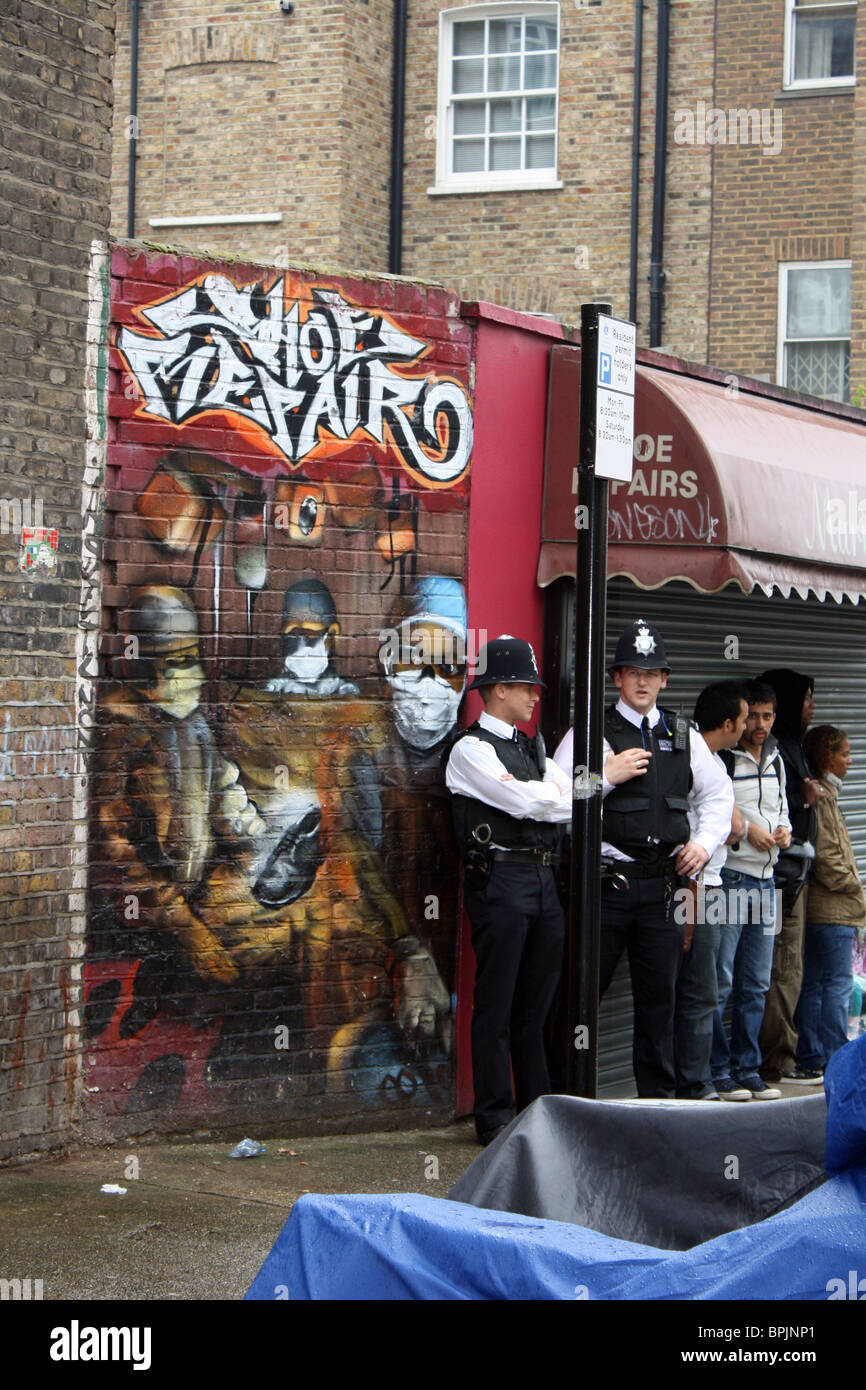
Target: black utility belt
{"x":545,"y":857}
{"x":628,"y":869}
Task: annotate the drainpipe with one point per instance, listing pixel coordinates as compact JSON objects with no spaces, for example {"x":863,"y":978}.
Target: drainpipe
{"x":657,"y":275}
{"x":395,"y":236}
{"x":133,"y":119}
{"x":635,"y":158}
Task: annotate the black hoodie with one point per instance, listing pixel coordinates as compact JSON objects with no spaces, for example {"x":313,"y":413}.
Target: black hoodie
{"x":791,"y":688}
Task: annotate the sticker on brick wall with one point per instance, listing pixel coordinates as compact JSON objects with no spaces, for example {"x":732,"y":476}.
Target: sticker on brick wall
{"x":38,"y":548}
{"x":273,"y":877}
{"x":304,"y":373}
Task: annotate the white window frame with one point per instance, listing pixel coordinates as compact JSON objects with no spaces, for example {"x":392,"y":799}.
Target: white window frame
{"x":512,"y":179}
{"x":782,"y":326}
{"x":812,"y":83}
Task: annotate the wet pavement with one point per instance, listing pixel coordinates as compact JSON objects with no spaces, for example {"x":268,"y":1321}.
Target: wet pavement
{"x":194,"y":1224}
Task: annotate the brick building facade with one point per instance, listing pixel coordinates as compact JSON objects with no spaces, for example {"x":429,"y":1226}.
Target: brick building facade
{"x":305,"y":100}
{"x":244,"y":111}
{"x":55,"y":106}
{"x":796,"y":204}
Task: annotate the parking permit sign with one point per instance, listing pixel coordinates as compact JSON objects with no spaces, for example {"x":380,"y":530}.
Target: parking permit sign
{"x":614,"y":412}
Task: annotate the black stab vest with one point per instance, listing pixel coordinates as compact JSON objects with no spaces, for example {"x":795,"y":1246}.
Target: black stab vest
{"x":520,"y":759}
{"x":653,"y":807}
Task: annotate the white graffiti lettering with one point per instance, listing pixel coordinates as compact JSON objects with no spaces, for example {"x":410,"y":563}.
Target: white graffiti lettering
{"x":241,"y":349}
{"x":651,"y":522}
{"x":40,"y":749}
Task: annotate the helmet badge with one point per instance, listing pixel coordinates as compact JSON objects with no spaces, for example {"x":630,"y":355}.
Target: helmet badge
{"x":644,"y":642}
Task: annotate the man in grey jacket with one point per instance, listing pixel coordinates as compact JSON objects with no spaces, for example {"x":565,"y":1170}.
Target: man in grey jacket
{"x":746,"y":948}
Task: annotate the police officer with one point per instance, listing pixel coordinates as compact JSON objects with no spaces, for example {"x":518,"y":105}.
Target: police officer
{"x":508,"y":802}
{"x":655,"y":769}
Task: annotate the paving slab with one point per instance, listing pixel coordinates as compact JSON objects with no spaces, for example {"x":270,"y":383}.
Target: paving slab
{"x":195,"y":1224}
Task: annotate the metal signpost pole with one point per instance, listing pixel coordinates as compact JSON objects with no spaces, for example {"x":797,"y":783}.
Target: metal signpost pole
{"x":605,"y":451}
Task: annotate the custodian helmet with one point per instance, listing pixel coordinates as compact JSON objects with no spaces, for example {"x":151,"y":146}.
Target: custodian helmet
{"x":506,"y":660}
{"x":641,"y":646}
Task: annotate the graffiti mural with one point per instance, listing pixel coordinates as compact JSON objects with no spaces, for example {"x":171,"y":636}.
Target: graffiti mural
{"x":273,"y":882}
{"x":225,"y":347}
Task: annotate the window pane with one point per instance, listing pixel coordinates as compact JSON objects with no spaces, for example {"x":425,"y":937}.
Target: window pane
{"x":469,"y":118}
{"x":505,"y":36}
{"x":824,"y":47}
{"x":503,"y":74}
{"x":539,"y":35}
{"x":469,"y":36}
{"x":540,"y":71}
{"x":819,"y":368}
{"x":819,"y":302}
{"x":468,"y":74}
{"x":540,"y":152}
{"x":540,"y":113}
{"x":505,"y":153}
{"x":506,"y":115}
{"x":468,"y":156}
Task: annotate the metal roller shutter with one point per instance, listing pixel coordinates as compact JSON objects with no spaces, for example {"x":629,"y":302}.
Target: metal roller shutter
{"x":825,"y":640}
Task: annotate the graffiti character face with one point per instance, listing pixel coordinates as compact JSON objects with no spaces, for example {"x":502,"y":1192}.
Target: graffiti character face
{"x":307,"y":651}
{"x":427,"y":683}
{"x":176,"y":681}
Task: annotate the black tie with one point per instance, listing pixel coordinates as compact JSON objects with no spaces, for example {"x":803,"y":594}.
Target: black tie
{"x":646,"y":732}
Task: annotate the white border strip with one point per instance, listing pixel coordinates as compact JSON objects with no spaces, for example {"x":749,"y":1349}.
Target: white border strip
{"x":215,"y":220}
{"x":87,"y":635}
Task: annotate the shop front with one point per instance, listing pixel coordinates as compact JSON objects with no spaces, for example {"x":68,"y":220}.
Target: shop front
{"x":742,"y":537}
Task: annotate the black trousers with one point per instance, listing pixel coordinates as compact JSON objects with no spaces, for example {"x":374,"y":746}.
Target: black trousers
{"x":640,"y":919}
{"x":517,"y":935}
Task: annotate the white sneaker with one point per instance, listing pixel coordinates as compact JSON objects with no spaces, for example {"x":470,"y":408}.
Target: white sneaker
{"x":731,"y":1090}
{"x":758,"y":1088}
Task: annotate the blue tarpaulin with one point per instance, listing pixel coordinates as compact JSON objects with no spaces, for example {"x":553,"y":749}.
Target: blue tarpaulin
{"x":416,"y":1247}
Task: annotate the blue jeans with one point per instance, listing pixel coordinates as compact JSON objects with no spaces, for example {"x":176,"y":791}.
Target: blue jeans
{"x":696,"y":1005}
{"x":745,"y":963}
{"x":821,"y":1016}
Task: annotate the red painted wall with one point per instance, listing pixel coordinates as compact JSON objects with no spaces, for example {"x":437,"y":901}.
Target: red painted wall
{"x":504,"y":529}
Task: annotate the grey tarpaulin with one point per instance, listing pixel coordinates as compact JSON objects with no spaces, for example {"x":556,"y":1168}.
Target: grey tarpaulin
{"x":669,"y":1174}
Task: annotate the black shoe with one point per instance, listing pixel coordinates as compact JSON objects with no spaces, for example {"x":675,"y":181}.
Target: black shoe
{"x":487,"y":1136}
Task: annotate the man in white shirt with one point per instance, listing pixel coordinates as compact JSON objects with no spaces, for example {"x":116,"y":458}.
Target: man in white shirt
{"x":721,"y":710}
{"x":508,"y":803}
{"x":654,"y":768}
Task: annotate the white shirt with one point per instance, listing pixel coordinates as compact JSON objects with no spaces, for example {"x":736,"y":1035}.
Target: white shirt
{"x":710,"y":800}
{"x":712,"y":870}
{"x":474,"y":770}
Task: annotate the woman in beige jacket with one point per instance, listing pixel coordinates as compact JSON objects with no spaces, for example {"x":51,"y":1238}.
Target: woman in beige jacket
{"x":835,"y":907}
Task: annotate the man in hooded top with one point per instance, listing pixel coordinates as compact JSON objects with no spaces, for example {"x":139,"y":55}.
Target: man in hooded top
{"x":795,"y":709}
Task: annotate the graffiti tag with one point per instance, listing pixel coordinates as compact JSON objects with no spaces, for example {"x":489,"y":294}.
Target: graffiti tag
{"x":242,"y":349}
{"x":652,"y":522}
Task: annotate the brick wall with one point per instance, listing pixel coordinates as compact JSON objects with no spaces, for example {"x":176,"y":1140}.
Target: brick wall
{"x":242,"y":109}
{"x":770,"y":207}
{"x":858,"y":229}
{"x":273,"y":892}
{"x":55,"y":109}
{"x":549,"y":251}
{"x":245,"y":110}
